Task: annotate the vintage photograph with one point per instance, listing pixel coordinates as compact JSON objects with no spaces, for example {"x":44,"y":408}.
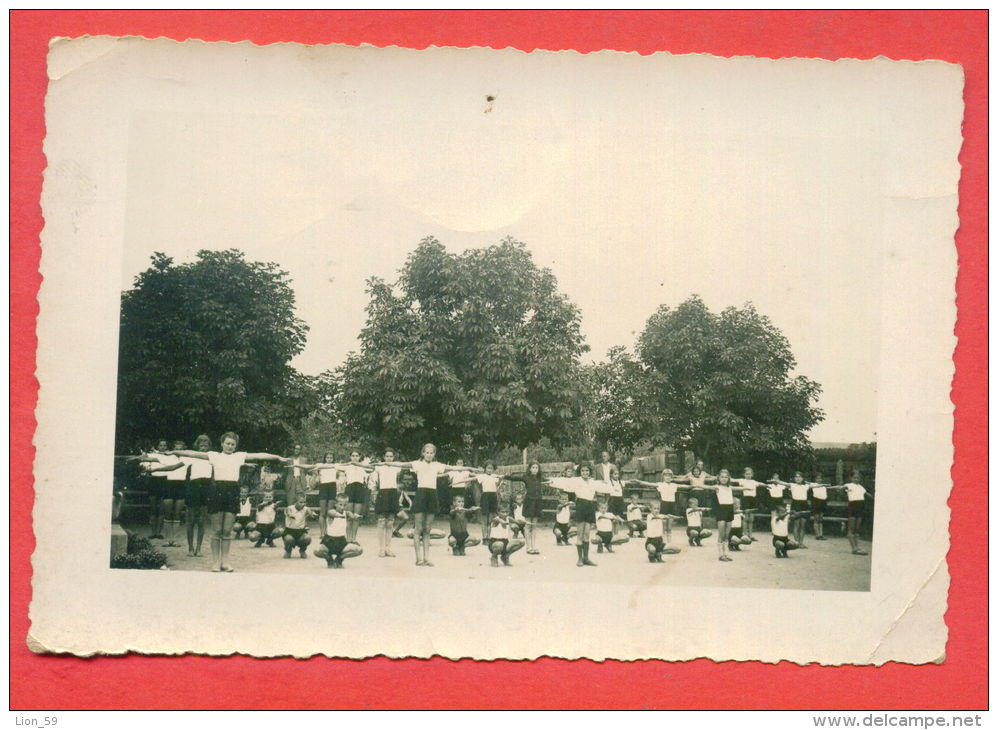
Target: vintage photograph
{"x":534,"y":324}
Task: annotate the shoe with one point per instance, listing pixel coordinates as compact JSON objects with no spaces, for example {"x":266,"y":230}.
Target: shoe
{"x":726,"y":559}
{"x":303,"y":554}
{"x":389,"y":554}
{"x":754,"y":539}
{"x":585,"y":557}
{"x":287,"y":554}
{"x":505,"y":561}
{"x":860,"y":552}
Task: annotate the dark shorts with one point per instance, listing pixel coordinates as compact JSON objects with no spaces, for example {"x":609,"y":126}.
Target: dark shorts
{"x":425,"y":502}
{"x":638,"y":524}
{"x":157,"y":487}
{"x":571,"y":496}
{"x":356,"y":493}
{"x":295,"y":532}
{"x":856,"y":509}
{"x":779,"y":541}
{"x":561,"y":527}
{"x":335,"y":545}
{"x":197,"y":493}
{"x":748,"y":501}
{"x":176,"y":489}
{"x":655,"y":542}
{"x":818,"y":505}
{"x":459,"y":537}
{"x":616,"y":506}
{"x":736,"y":532}
{"x":585,"y":511}
{"x":724,"y":512}
{"x":667,"y":508}
{"x":489,"y":502}
{"x":265,"y":528}
{"x":800,"y":505}
{"x":327,"y":492}
{"x":532,"y":507}
{"x":243,"y":519}
{"x":501,"y":541}
{"x":223,"y":497}
{"x":606,"y":537}
{"x":387,"y":502}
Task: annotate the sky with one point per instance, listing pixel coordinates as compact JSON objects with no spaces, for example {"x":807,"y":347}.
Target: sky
{"x":638,"y":181}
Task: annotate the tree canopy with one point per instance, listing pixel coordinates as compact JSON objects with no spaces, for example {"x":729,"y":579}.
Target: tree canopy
{"x":206,"y":346}
{"x":470,"y":351}
{"x":723,"y":383}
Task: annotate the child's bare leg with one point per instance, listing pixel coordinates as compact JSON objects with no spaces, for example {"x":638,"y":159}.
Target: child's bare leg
{"x":354,"y":523}
{"x":427,"y":528}
{"x":216,"y":541}
{"x":192,"y":515}
{"x":352,"y":550}
{"x":749,"y":519}
{"x":323,"y":509}
{"x":496,"y":550}
{"x":303,"y":542}
{"x":417,"y":538}
{"x":511,"y":547}
{"x":226,"y":541}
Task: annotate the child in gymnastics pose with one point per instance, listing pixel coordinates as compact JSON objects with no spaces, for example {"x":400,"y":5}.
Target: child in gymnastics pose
{"x":655,"y":545}
{"x":266,"y":519}
{"x":176,"y":491}
{"x":694,"y":522}
{"x":562,"y":519}
{"x":605,"y":520}
{"x":489,"y":503}
{"x":196,"y":496}
{"x":386,"y":503}
{"x":724,"y":512}
{"x":501,"y":543}
{"x":584,"y":489}
{"x":736,"y":535}
{"x":223,"y":499}
{"x":636,"y":523}
{"x":356,"y":477}
{"x":336,"y":547}
{"x":667,"y":497}
{"x":424,"y":506}
{"x":533,"y":484}
{"x":328,"y":472}
{"x":750,"y":498}
{"x":774,"y":494}
{"x":857,"y":495}
{"x":296,"y":526}
{"x":244,"y":517}
{"x":780,"y":526}
{"x":799,"y":505}
{"x":819,"y":498}
{"x":519,"y":521}
{"x":459,"y":538}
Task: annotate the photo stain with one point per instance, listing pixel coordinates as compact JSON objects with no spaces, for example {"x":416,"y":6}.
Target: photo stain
{"x":490,"y":99}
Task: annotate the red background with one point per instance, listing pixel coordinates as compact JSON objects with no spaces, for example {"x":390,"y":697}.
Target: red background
{"x":134,"y":682}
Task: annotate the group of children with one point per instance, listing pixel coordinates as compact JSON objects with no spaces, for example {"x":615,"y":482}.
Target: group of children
{"x":591,"y":506}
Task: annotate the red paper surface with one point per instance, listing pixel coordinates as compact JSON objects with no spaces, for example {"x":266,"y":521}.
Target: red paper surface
{"x":134,"y":682}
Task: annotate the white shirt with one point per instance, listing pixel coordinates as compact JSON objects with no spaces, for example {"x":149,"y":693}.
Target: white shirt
{"x":798,"y":491}
{"x":736,"y":521}
{"x":427,"y":473}
{"x":775,"y":491}
{"x":693,"y":518}
{"x":616,"y":489}
{"x":296,"y":470}
{"x":564,"y":484}
{"x":266,"y":515}
{"x":585,"y":488}
{"x":667,"y":491}
{"x":200,"y":468}
{"x":227,"y":465}
{"x":749,"y":486}
{"x":819,"y":492}
{"x":697,"y":481}
{"x":856,"y":492}
{"x":354,"y":474}
{"x":633,"y":513}
{"x":327,"y":474}
{"x":656,"y":526}
{"x":388,"y":476}
{"x":489,"y":482}
{"x":564,"y":515}
{"x":295,"y":518}
{"x":725,"y":495}
{"x":337,"y":527}
{"x":779,"y":527}
{"x":245,"y":507}
{"x":457,"y":478}
{"x":500,"y":531}
{"x":604,"y":523}
{"x":174,"y":475}
{"x":518,"y":513}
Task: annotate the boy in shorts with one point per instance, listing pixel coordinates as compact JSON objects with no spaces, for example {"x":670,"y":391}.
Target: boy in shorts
{"x":336,"y":548}
{"x":562,"y":520}
{"x":502,"y":544}
{"x":296,"y":526}
{"x":459,"y":539}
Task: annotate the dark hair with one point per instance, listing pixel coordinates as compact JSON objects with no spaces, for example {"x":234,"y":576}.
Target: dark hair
{"x":490,"y":463}
{"x":534,"y":463}
{"x":588,"y":466}
{"x":229,"y":435}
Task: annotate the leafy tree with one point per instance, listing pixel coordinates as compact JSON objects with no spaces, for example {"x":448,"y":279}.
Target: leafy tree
{"x":471,"y":351}
{"x":724,"y":385}
{"x":205,"y":347}
{"x":621,"y":410}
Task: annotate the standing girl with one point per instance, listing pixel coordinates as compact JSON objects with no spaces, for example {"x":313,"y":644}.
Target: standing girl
{"x":294,"y":476}
{"x":356,"y":477}
{"x":173,"y":497}
{"x":489,"y":504}
{"x":584,"y":488}
{"x":328,"y":472}
{"x":750,"y":498}
{"x":223,"y":498}
{"x":534,"y":483}
{"x":424,"y":505}
{"x":724,"y":513}
{"x":196,"y":498}
{"x":856,"y":494}
{"x":386,"y":503}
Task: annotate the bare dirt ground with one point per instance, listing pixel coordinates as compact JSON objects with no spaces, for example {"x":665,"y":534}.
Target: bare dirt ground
{"x":825,"y":565}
